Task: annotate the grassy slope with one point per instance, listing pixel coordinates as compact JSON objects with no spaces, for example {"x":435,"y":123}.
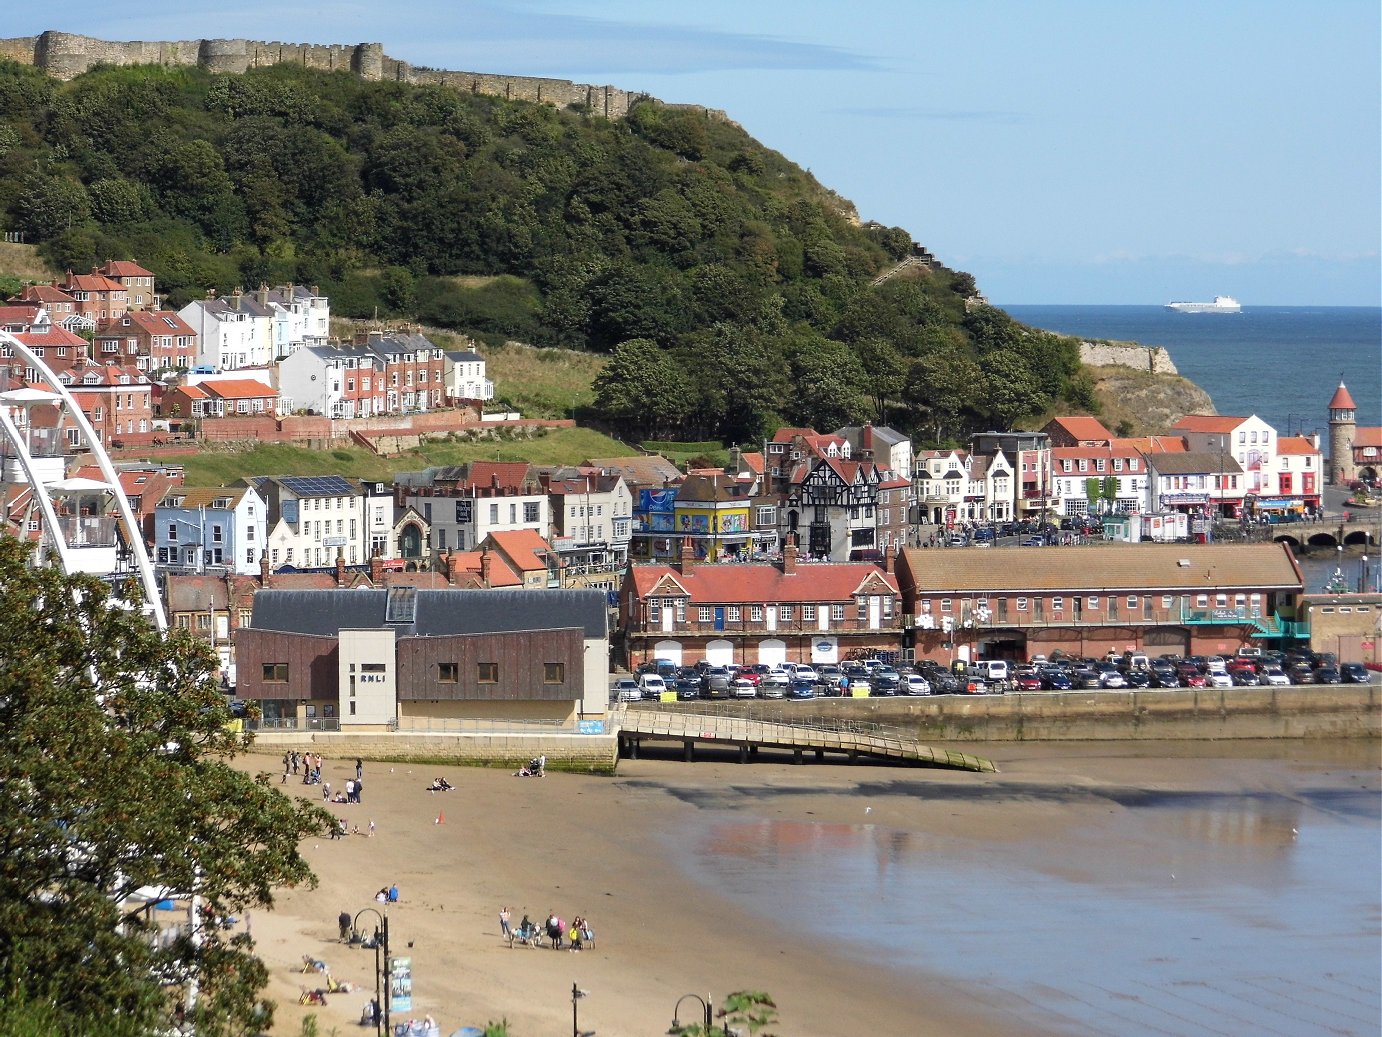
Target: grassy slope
{"x":554,"y":446}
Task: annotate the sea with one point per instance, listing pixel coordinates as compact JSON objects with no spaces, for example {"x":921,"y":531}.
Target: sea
{"x":1281,"y":363}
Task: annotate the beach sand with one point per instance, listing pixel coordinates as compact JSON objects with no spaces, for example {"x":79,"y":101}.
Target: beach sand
{"x":602,"y":847}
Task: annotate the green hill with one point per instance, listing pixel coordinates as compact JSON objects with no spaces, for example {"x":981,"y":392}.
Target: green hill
{"x":731,"y":290}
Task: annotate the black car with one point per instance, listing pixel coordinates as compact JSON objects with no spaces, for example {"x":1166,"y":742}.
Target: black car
{"x":885,"y":682}
{"x":1243,"y":677}
{"x":1301,"y":673}
{"x":1354,"y":673}
{"x":1328,"y":675}
{"x":1055,"y":679}
{"x":687,"y":688}
{"x":1138,"y":678}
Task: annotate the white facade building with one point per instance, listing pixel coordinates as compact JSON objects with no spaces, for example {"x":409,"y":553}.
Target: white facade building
{"x":313,"y":518}
{"x":233,"y":332}
{"x":218,"y":530}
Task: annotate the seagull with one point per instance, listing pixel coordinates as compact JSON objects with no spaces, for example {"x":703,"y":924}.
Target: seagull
{"x":868,"y":810}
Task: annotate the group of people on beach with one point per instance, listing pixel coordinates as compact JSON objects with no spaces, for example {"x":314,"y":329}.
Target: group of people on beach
{"x":535,"y":768}
{"x":576,"y":937}
{"x":310,"y":764}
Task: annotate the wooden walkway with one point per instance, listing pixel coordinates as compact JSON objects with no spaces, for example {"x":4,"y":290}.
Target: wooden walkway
{"x":749,"y":734}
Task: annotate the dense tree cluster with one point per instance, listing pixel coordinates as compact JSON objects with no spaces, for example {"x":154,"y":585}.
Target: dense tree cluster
{"x":114,"y":778}
{"x":516,"y":220}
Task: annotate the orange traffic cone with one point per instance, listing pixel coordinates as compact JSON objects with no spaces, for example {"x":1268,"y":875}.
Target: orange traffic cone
{"x":441,"y":818}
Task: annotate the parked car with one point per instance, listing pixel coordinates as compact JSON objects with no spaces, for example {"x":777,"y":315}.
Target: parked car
{"x":915,"y":684}
{"x":1244,"y":677}
{"x":1218,"y":679}
{"x":651,"y":685}
{"x":1275,"y":676}
{"x":1301,"y":673}
{"x":1138,"y":678}
{"x":1027,"y":680}
{"x":885,"y":681}
{"x":742,"y":688}
{"x":1054,"y":678}
{"x":1354,"y":673}
{"x":1110,"y":676}
{"x":715,"y":683}
{"x":1328,"y":675}
{"x":802,"y":689}
{"x":625,"y":689}
{"x":688,"y":689}
{"x":855,"y":687}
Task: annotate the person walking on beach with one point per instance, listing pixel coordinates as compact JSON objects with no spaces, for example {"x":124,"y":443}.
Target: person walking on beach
{"x":359,"y":768}
{"x":504,"y":923}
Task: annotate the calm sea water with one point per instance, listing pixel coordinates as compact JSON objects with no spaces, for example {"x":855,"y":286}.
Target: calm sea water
{"x":1281,"y":363}
{"x":1184,"y":914}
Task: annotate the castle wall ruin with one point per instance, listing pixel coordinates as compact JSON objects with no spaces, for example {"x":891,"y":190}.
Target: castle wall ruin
{"x":66,"y":55}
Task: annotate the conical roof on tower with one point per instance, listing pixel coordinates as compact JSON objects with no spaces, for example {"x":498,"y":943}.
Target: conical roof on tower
{"x":1342,"y":400}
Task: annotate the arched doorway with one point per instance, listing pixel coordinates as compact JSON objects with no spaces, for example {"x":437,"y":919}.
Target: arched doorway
{"x":669,"y":650}
{"x":772,"y":651}
{"x":410,"y":541}
{"x":719,"y":652}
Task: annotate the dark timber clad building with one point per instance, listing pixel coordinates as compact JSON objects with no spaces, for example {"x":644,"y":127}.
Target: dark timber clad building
{"x":374,"y":659}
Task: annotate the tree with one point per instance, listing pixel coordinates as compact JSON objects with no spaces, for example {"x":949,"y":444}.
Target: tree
{"x":943,"y":388}
{"x":1012,"y":389}
{"x":115,"y":775}
{"x":642,"y":392}
{"x":827,"y":387}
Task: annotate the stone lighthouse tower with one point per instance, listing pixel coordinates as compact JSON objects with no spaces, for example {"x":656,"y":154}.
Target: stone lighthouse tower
{"x":1343,"y":423}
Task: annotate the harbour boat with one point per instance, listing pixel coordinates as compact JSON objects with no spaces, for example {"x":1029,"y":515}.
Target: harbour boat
{"x":1221,"y":304}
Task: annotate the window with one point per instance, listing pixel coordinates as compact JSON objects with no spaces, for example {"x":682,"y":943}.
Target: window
{"x":732,"y":613}
{"x":704,"y":613}
{"x":1093,"y":602}
{"x":887,"y":607}
{"x":784,"y":613}
{"x":1057,"y":604}
{"x":554,"y":673}
{"x":487,"y":673}
{"x":275,"y":673}
{"x":756,"y":613}
{"x":173,"y":532}
{"x":837,"y":612}
{"x":448,"y":673}
{"x":1167,"y":601}
{"x":494,"y":513}
{"x":945,"y":604}
{"x":1021,"y":604}
{"x":808,"y":613}
{"x":861,"y":606}
{"x":1132,"y":602}
{"x":767,"y":516}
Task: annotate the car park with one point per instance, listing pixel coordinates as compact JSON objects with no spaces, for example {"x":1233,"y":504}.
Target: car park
{"x":1110,"y":676}
{"x":885,"y":681}
{"x":1244,"y":677}
{"x":1027,"y":680}
{"x":1138,"y":678}
{"x":715,"y":683}
{"x":857,"y":687}
{"x":1218,"y":679}
{"x":625,"y":689}
{"x":1354,"y":673}
{"x":688,"y":689}
{"x":802,"y":689}
{"x":1275,"y":676}
{"x":651,"y":685}
{"x":1054,"y":678}
{"x":1301,"y":673}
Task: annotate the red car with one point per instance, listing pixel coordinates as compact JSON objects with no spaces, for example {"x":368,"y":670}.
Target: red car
{"x":1027,"y":680}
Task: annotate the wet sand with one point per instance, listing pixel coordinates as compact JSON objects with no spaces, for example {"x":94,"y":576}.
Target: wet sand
{"x":604,"y":848}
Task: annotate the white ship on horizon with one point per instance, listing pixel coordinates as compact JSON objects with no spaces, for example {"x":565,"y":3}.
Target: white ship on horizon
{"x":1221,"y":304}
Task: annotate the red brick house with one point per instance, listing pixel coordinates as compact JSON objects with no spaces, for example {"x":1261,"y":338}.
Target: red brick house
{"x":744,"y":613}
{"x":97,"y":297}
{"x":137,"y":282}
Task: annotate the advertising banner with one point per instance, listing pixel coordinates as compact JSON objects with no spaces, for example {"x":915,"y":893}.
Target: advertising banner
{"x":400,"y":984}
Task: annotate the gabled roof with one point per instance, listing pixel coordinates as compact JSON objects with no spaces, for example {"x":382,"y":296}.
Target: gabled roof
{"x":1208,"y":423}
{"x":753,"y":461}
{"x":514,"y":475}
{"x":1153,"y":444}
{"x":203,"y":496}
{"x":157,"y":322}
{"x":713,"y":487}
{"x":91,"y":283}
{"x":469,"y":569}
{"x":45,"y":293}
{"x":1103,"y":568}
{"x":786,"y":435}
{"x":238,"y":389}
{"x":750,"y":583}
{"x":1297,"y":445}
{"x":1081,"y":428}
{"x":648,"y":471}
{"x":1120,"y":449}
{"x":124,"y":268}
{"x":1368,"y":435}
{"x":1189,"y":463}
{"x":52,"y":335}
{"x":524,"y":548}
{"x":192,"y":392}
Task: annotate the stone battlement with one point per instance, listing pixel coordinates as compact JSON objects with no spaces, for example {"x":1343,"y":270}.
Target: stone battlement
{"x":67,"y":55}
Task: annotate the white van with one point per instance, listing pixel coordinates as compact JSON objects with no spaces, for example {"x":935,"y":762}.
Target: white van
{"x":652,"y":686}
{"x":989,"y":669}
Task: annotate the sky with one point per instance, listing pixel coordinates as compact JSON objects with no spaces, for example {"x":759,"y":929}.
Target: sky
{"x":1063,"y":152}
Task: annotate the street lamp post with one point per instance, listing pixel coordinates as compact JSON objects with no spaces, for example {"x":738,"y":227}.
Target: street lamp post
{"x":576,"y":994}
{"x":1363,"y":576}
{"x":381,"y":938}
{"x":705,"y":1005}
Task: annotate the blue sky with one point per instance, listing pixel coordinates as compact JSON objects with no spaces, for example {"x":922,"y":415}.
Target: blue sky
{"x":1067,"y":151}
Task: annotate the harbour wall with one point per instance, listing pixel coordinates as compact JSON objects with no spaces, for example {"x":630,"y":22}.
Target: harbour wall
{"x":1334,"y":711}
{"x":596,"y":754}
{"x":65,"y":55}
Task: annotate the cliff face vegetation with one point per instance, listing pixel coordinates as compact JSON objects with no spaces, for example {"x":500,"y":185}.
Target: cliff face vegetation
{"x":1138,"y":403}
{"x":732,"y":291}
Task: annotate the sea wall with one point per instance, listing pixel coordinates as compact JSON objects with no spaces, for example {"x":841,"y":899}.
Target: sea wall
{"x":1343,"y":711}
{"x":66,"y":55}
{"x":1153,"y":359}
{"x":593,"y":753}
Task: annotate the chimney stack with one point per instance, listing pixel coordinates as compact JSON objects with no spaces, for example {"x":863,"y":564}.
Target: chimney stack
{"x":340,"y":568}
{"x":452,"y":561}
{"x":889,"y":559}
{"x":264,"y":575}
{"x":687,"y":561}
{"x":486,"y":567}
{"x":789,"y":556}
{"x":376,"y":569}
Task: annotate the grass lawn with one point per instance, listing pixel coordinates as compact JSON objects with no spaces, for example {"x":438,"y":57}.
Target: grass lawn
{"x":553,"y":446}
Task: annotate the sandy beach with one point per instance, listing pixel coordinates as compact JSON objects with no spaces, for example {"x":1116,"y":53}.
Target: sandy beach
{"x":603,"y":848}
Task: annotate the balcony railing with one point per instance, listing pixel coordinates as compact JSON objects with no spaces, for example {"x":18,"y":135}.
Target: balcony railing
{"x":1267,"y":624}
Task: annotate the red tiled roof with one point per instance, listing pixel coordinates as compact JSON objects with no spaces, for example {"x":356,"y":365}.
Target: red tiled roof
{"x":1342,"y":399}
{"x":1153,"y":444}
{"x":1295,"y":445}
{"x":238,"y":389}
{"x":156,"y":322}
{"x":1368,"y":435}
{"x":508,"y":473}
{"x":1208,"y":423}
{"x":1083,"y":427}
{"x":45,"y":293}
{"x":521,"y":547}
{"x":1120,"y":448}
{"x":748,"y":583}
{"x":753,"y":461}
{"x":124,"y":268}
{"x":786,"y":435}
{"x":91,"y":283}
{"x":56,"y":335}
{"x":469,"y":563}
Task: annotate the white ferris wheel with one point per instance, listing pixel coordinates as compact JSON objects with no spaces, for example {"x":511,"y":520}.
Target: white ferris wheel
{"x":86,"y":524}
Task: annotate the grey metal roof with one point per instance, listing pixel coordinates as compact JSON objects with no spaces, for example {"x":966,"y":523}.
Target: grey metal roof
{"x":435,"y":613}
{"x":318,"y":485}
